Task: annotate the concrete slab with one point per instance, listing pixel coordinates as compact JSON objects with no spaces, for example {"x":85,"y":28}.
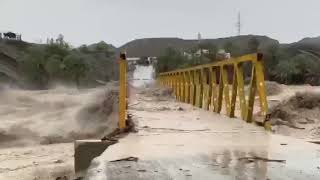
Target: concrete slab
{"x":85,"y":151}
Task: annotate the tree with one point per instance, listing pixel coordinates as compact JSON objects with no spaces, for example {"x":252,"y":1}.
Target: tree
{"x":54,"y":66}
{"x":272,"y":57}
{"x":84,"y":49}
{"x":286,"y":72}
{"x":211,"y":55}
{"x":104,"y":48}
{"x":301,"y":68}
{"x":253,"y":45}
{"x":33,"y":66}
{"x":75,"y":67}
{"x":171,"y":60}
{"x":60,"y":40}
{"x":56,"y":61}
{"x":230,"y":47}
{"x":60,"y":51}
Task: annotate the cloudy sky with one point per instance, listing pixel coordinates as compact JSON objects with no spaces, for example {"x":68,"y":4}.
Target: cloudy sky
{"x":120,"y":21}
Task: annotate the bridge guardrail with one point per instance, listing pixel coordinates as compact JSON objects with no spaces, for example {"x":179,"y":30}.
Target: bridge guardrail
{"x":207,"y":86}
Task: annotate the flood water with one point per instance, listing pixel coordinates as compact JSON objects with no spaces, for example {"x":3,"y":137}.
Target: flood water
{"x":52,"y":116}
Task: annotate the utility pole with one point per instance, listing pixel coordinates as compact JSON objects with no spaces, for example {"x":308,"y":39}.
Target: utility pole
{"x":199,"y":45}
{"x":199,"y":38}
{"x":239,"y":24}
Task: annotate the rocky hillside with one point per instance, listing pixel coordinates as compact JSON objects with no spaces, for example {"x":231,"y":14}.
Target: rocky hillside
{"x":14,"y":49}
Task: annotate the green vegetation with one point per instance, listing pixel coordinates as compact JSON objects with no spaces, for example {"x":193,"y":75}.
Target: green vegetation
{"x":299,"y":69}
{"x":57,"y":62}
{"x":284,"y":65}
{"x":45,"y":65}
{"x":171,"y":60}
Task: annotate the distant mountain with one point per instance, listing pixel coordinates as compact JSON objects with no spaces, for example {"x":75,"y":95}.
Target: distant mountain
{"x":156,"y":46}
{"x":310,"y":41}
{"x":306,"y":43}
{"x":311,"y":45}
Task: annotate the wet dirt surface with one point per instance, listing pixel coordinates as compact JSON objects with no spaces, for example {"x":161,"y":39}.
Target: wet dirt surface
{"x":37,"y":162}
{"x":178,"y":141}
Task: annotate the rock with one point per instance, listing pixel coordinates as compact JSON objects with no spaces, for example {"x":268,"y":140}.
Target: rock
{"x":62,"y":178}
{"x":58,"y":161}
{"x":302,"y":121}
{"x":311,"y":120}
{"x":180,"y":109}
{"x":142,"y":170}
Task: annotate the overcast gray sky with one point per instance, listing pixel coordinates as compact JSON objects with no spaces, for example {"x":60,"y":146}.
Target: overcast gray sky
{"x":120,"y":21}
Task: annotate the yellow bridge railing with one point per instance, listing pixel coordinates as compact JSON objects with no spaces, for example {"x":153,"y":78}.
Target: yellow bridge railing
{"x":122,"y":91}
{"x":210,"y":86}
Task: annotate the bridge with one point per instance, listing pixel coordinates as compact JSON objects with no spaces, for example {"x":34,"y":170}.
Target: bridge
{"x":213,"y":130}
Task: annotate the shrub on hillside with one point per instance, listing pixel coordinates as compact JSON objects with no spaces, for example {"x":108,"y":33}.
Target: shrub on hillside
{"x":57,"y":62}
{"x":298,"y":70}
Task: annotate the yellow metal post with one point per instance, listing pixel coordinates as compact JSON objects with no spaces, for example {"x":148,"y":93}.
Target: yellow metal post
{"x":186,"y":86}
{"x":240,"y":82}
{"x":226,"y":91}
{"x":176,"y":79}
{"x":220,"y":91}
{"x":122,"y":90}
{"x":261,"y":85}
{"x":234,"y":92}
{"x":192,"y":87}
{"x":182,"y":86}
{"x":252,"y":94}
{"x":214,"y":95}
{"x":198,"y":89}
{"x":205,"y":89}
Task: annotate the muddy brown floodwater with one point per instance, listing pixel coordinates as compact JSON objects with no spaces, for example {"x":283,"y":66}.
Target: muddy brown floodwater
{"x":38,"y":127}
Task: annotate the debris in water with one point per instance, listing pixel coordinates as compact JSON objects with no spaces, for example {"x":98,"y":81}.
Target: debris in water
{"x":62,"y":178}
{"x":135,"y":159}
{"x":297,"y":113}
{"x":58,"y":161}
{"x":253,"y":159}
{"x":130,"y":105}
{"x":142,"y":170}
{"x":180,"y":109}
{"x":114,"y":136}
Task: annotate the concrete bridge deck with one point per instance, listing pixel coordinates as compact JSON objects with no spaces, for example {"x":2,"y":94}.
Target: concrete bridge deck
{"x":178,"y":141}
